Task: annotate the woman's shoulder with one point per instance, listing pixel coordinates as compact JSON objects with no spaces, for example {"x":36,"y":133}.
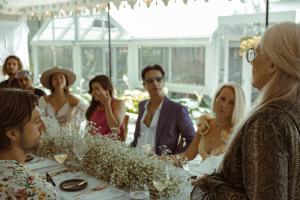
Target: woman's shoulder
{"x":270,"y":116}
{"x":73,"y":100}
{"x":117,"y":102}
{"x":45,"y":98}
{"x":272,"y":111}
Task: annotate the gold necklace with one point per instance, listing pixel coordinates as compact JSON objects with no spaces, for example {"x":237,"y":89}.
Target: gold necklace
{"x":220,"y":125}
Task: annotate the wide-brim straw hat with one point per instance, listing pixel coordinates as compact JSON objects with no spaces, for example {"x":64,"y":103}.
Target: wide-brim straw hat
{"x":45,"y":78}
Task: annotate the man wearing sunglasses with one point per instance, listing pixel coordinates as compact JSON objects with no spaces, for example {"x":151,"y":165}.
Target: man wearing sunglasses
{"x":162,"y":123}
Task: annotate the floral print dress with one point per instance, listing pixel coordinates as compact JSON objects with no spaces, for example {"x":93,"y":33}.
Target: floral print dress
{"x":18,"y":182}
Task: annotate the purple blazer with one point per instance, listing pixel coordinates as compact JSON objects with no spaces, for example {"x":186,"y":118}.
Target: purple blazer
{"x":174,"y":121}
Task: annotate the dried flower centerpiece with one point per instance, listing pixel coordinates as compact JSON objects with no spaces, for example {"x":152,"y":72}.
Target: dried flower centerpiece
{"x":111,"y":160}
{"x":56,"y":138}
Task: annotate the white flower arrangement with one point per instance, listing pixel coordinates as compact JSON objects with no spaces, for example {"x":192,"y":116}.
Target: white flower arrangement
{"x":111,"y":160}
{"x":248,"y":42}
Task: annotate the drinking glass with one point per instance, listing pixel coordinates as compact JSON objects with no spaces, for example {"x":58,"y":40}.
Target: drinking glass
{"x":139,"y":192}
{"x":148,"y":149}
{"x":79,"y":149}
{"x":60,"y":157}
{"x":162,"y":182}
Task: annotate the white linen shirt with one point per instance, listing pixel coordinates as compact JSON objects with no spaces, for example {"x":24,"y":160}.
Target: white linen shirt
{"x":147,"y":134}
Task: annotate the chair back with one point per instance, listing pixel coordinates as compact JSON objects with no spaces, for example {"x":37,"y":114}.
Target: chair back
{"x":126,"y":120}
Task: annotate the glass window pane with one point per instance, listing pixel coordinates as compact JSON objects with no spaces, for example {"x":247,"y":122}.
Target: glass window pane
{"x":235,"y":63}
{"x":121,"y":56}
{"x":64,"y":57}
{"x":221,"y":61}
{"x":46,"y":35}
{"x":94,"y":34}
{"x":154,"y":55}
{"x":85,"y":22}
{"x":62,"y":22}
{"x":69,"y":35}
{"x":119,"y":67}
{"x":91,"y":63}
{"x":44,"y":58}
{"x":64,"y":28}
{"x":188,"y":65}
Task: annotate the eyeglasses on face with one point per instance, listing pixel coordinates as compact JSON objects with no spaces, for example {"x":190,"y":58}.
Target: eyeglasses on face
{"x":250,"y":55}
{"x":151,"y":80}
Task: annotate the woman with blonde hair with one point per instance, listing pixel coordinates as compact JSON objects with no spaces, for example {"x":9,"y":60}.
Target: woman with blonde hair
{"x":61,"y":104}
{"x":262,"y":162}
{"x":214,"y":130}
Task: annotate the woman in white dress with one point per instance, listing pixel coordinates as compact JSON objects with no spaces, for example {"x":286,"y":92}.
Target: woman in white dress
{"x":214,"y":130}
{"x":61,"y":104}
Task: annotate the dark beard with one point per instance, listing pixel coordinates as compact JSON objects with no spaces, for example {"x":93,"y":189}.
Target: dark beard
{"x":10,"y":74}
{"x":28,"y":149}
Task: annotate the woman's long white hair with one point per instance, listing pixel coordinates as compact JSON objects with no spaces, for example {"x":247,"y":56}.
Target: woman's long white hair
{"x":281,"y":44}
{"x":239,"y":101}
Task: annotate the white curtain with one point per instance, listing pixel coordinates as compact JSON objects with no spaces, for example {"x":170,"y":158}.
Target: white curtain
{"x":14,"y":41}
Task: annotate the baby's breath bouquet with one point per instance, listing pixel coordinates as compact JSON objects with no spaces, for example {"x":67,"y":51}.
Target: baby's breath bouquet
{"x":111,"y":160}
{"x":56,"y":138}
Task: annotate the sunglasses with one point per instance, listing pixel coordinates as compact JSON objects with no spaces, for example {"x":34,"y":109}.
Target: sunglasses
{"x":151,"y":80}
{"x":250,"y":55}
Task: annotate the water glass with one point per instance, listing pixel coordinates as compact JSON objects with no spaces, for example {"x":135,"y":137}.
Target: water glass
{"x":139,"y":192}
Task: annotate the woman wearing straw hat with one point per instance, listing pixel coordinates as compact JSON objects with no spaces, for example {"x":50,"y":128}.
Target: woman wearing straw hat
{"x":60,"y":104}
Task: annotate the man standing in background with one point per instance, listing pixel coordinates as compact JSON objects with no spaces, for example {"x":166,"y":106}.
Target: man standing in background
{"x":11,"y":66}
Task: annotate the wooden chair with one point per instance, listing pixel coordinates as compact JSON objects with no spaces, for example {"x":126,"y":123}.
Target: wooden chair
{"x":126,"y":120}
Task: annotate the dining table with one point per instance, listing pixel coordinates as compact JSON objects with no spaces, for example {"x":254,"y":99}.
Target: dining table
{"x":94,"y":189}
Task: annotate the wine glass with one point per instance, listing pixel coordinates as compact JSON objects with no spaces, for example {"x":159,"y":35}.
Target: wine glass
{"x":148,"y":149}
{"x":139,"y":192}
{"x":79,"y":148}
{"x":162,"y":183}
{"x":60,"y":157}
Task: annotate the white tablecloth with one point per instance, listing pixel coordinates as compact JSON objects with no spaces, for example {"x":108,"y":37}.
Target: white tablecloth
{"x":41,"y":165}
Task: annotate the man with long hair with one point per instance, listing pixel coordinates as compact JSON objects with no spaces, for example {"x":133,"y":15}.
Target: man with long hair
{"x":11,"y":66}
{"x":21,"y":127}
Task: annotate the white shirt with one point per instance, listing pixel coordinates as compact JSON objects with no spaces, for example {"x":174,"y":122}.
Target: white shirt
{"x":66,"y":113}
{"x":147,"y":134}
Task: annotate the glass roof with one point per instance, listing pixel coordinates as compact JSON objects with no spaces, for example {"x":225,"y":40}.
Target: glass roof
{"x":196,"y":19}
{"x":93,"y":27}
